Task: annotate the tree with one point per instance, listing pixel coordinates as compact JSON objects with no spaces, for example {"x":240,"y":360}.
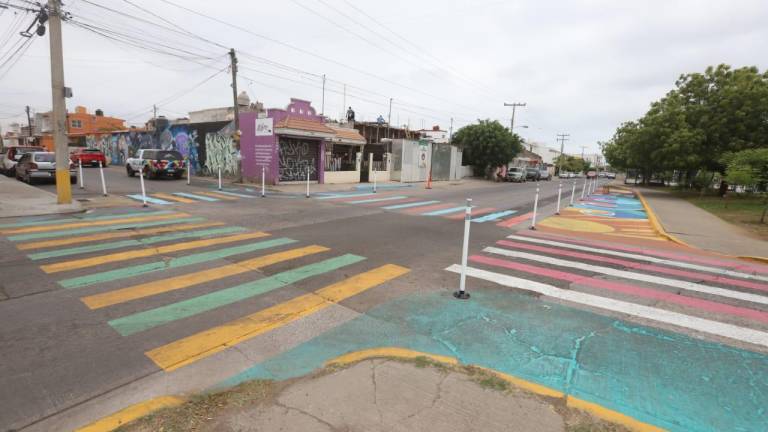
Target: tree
{"x":488,"y":144}
{"x":748,"y":168}
{"x":572,"y":164}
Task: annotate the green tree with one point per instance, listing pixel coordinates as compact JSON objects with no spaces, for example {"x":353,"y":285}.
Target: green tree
{"x":488,"y":144}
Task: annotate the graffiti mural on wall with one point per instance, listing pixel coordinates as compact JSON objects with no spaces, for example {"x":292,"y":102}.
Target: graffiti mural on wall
{"x":220,"y":153}
{"x":296,"y":157}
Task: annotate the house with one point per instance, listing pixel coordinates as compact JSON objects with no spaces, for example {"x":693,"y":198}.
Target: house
{"x":225,"y":114}
{"x":526,"y":159}
{"x":436,"y":135}
{"x":81,"y":125}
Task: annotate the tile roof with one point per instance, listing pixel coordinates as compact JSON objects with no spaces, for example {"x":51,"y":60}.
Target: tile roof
{"x":304,"y":125}
{"x":347,"y":134}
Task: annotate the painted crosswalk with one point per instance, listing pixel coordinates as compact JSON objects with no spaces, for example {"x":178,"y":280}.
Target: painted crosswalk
{"x":193,"y":197}
{"x":127,"y":262}
{"x":713,"y":296}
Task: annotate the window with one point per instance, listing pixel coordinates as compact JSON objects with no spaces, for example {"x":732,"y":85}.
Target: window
{"x":77,"y":124}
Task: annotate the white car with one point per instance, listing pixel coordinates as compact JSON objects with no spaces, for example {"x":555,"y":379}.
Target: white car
{"x":12,"y":156}
{"x":34,"y":166}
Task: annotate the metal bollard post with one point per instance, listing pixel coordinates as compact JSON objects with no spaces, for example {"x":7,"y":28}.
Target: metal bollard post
{"x":573,"y":191}
{"x":219,"y":178}
{"x":559,"y":193}
{"x":103,"y":183}
{"x":80,"y":162}
{"x":462,"y":293}
{"x":263,"y":181}
{"x":584,"y":189}
{"x":143,"y":191}
{"x":307,"y":182}
{"x":189,"y":173}
{"x":374,"y":181}
{"x":535,"y":208}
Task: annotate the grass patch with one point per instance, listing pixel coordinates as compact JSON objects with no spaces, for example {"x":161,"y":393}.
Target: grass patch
{"x":741,"y":210}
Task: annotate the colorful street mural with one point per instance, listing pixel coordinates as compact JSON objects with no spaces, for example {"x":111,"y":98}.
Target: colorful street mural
{"x":220,"y":153}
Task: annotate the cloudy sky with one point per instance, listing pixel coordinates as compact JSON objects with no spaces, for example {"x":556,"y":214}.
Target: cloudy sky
{"x":582,"y":67}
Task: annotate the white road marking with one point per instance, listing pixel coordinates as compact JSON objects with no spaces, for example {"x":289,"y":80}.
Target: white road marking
{"x":660,"y":315}
{"x":690,"y":286}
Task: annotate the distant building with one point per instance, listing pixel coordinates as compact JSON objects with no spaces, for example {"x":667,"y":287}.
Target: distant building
{"x":548,"y":154}
{"x":225,"y":114}
{"x":80,"y":124}
{"x":436,"y":135}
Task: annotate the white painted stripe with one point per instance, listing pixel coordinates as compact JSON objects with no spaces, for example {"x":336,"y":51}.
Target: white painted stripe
{"x":642,"y":258}
{"x":378,"y":199}
{"x":494,"y":216}
{"x":233,"y":194}
{"x":138,"y":197}
{"x":690,"y":286}
{"x":196,"y":197}
{"x":350,"y":195}
{"x":416,"y":204}
{"x":444,"y":211}
{"x":730,"y":331}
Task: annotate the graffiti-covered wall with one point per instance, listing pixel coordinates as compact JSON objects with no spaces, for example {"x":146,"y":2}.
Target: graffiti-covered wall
{"x":220,"y":153}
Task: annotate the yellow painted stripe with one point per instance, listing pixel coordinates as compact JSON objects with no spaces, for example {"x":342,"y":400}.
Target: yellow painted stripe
{"x":198,"y":346}
{"x":611,"y":415}
{"x":396,"y":352}
{"x":220,"y":196}
{"x":170,"y":197}
{"x":141,"y":253}
{"x":114,"y":235}
{"x":164,"y":285}
{"x":527,"y":385}
{"x":92,"y":223}
{"x":131,"y":413}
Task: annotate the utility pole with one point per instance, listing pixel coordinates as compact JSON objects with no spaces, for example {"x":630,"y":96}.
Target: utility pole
{"x":450,"y":132}
{"x":236,"y":107}
{"x":562,"y":138}
{"x":582,"y":152}
{"x":344,"y":110}
{"x":322,"y":106}
{"x":29,"y":125}
{"x":389,"y":117}
{"x":63,"y":188}
{"x":154,"y":116}
{"x":514,"y":105}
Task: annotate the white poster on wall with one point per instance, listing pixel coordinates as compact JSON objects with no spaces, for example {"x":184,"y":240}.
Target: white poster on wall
{"x":264,"y":127}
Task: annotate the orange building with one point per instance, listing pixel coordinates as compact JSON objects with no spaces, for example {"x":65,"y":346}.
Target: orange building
{"x":79,"y":125}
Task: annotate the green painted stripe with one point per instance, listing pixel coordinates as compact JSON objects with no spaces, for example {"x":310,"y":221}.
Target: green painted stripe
{"x":69,"y":232}
{"x":122,"y":273}
{"x":139,"y":242}
{"x":141,"y":321}
{"x":86,"y":217}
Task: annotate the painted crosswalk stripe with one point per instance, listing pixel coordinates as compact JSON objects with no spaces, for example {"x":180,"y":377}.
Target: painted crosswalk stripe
{"x":199,"y":258}
{"x":349,"y":195}
{"x":141,"y":321}
{"x":515,"y":220}
{"x":99,"y":229}
{"x":184,"y":281}
{"x":422,"y":209}
{"x":95,"y":217}
{"x":628,"y":289}
{"x":196,"y":197}
{"x":134,"y":242}
{"x":641,"y":258}
{"x":494,"y":216}
{"x":475,"y":212}
{"x":646,"y":312}
{"x":445,"y":211}
{"x":234,"y":194}
{"x":198,"y":346}
{"x":690,"y":286}
{"x":113,"y":235}
{"x":219,"y":196}
{"x":373,"y":200}
{"x":143,"y":253}
{"x":149,"y":199}
{"x":80,"y":224}
{"x":409,"y":205}
{"x":170,"y":197}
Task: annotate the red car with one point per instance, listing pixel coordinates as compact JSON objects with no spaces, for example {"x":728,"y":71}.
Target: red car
{"x":89,"y":156}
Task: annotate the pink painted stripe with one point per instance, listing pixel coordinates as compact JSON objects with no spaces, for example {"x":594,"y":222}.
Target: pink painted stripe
{"x":475,"y":212}
{"x":515,"y":220}
{"x":632,"y":290}
{"x":638,"y":266}
{"x":390,"y":202}
{"x":654,"y":252}
{"x":417,"y":210}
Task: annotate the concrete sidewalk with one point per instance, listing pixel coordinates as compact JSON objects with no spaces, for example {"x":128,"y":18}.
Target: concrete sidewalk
{"x":19,"y":199}
{"x":701,"y":229}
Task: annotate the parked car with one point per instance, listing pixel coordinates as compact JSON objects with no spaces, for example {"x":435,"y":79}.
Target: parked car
{"x":156,"y":163}
{"x":89,"y":156}
{"x":532,"y":174}
{"x":12,"y":156}
{"x":601,"y":174}
{"x":610,"y":175}
{"x":544,"y":174}
{"x":565,"y":174}
{"x":516,"y":175}
{"x":591,"y":174}
{"x":35,"y":166}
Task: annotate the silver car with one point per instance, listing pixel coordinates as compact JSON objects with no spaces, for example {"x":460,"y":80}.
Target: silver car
{"x":36,"y":166}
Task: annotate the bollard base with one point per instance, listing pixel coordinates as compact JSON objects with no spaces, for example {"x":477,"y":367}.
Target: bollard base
{"x":461,"y":295}
{"x":533,"y":228}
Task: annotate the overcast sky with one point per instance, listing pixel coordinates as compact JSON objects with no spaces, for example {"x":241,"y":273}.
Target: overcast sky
{"x":582,"y":67}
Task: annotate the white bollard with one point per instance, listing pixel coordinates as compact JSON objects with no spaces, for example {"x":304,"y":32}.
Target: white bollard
{"x":535,"y":208}
{"x":559,"y":193}
{"x":584,"y":189}
{"x":80,"y":162}
{"x":462,"y":293}
{"x":374,"y":181}
{"x":189,"y":173}
{"x":307,"y":182}
{"x":103,"y":183}
{"x":143,"y":191}
{"x":573,"y":191}
{"x":219,"y":178}
{"x":263,"y":181}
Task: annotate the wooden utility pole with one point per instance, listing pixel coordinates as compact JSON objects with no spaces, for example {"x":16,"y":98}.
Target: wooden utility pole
{"x":236,"y":108}
{"x":514,"y":106}
{"x":63,"y":187}
{"x":562,"y":138}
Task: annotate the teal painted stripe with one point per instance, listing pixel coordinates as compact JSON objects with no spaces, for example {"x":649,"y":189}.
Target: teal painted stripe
{"x":122,"y":273}
{"x":149,"y":199}
{"x":416,"y":204}
{"x":64,"y":233}
{"x":378,"y":199}
{"x":86,"y":217}
{"x":139,"y":242}
{"x":141,"y":321}
{"x":444,"y":211}
{"x":193,"y":196}
{"x":233,"y":194}
{"x":494,"y":216}
{"x":351,"y":195}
